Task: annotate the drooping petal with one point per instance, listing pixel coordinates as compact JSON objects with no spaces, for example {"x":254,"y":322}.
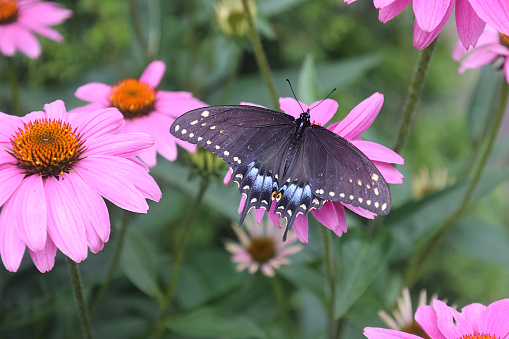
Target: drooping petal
{"x":92,"y":207}
{"x":153,"y":74}
{"x":43,"y":14}
{"x":360,"y":118}
{"x":332,"y":215}
{"x":382,"y":3}
{"x":445,"y":321}
{"x":468,"y":23}
{"x":324,"y":111}
{"x":390,"y":174}
{"x":427,"y":319}
{"x":7,"y":41}
{"x":360,"y":211}
{"x":430,"y":13}
{"x":478,"y":57}
{"x":377,"y":152}
{"x":30,"y":203}
{"x":11,"y":246}
{"x":149,"y":156}
{"x":44,"y":260}
{"x":267,"y":270}
{"x":300,"y":226}
{"x":26,"y":42}
{"x":122,"y":145}
{"x":389,"y":12}
{"x":96,"y":92}
{"x":494,"y":12}
{"x":65,"y":226}
{"x":422,"y":38}
{"x":95,"y":172}
{"x":10,"y":178}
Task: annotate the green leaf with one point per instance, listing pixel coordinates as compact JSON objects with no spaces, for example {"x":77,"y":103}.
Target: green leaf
{"x":213,"y":323}
{"x":138,"y":263}
{"x":305,"y":278}
{"x":415,"y":222}
{"x":361,"y":260}
{"x":309,"y":86}
{"x":481,"y":103}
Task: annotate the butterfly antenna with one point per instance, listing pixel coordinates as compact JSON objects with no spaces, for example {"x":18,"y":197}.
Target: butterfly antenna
{"x":328,"y":95}
{"x":295,"y":96}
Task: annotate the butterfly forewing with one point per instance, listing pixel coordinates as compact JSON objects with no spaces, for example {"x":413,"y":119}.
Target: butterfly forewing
{"x":343,"y":173}
{"x":237,"y":134}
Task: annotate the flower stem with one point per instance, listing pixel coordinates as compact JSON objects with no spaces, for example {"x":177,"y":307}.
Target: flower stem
{"x":423,"y":255}
{"x":80,"y":300}
{"x":414,"y":94}
{"x":281,"y":303}
{"x":159,"y":326}
{"x":13,"y":83}
{"x":113,"y":264}
{"x":332,"y":272}
{"x":260,"y":55}
{"x":139,"y":33}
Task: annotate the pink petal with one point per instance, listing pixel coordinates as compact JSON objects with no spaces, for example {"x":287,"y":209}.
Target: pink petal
{"x":8,"y":124}
{"x":469,"y":316}
{"x":43,"y":14}
{"x":149,"y":156}
{"x":95,"y":92}
{"x":422,"y":38}
{"x":94,"y":242}
{"x":7,"y":40}
{"x":153,"y":74}
{"x":10,"y":178}
{"x":377,"y":152}
{"x":88,"y":108}
{"x":175,"y":104}
{"x":29,"y":202}
{"x":324,"y":112}
{"x":56,"y":110}
{"x":468,"y":23}
{"x":494,"y":12}
{"x":427,"y":319}
{"x":430,"y":13}
{"x":382,"y":333}
{"x":332,"y":215}
{"x":291,"y":107}
{"x":186,"y":145}
{"x":360,"y":118}
{"x":478,"y":57}
{"x":65,"y":226}
{"x":390,"y":174}
{"x":259,"y":213}
{"x":273,"y":217}
{"x":389,"y":12}
{"x":122,"y":145}
{"x":44,"y":260}
{"x":300,"y":226}
{"x":459,"y":52}
{"x":445,"y":321}
{"x":495,"y":319}
{"x":227,"y":176}
{"x":97,"y":123}
{"x":267,"y":270}
{"x":92,"y":208}
{"x":26,"y":42}
{"x":382,"y":3}
{"x":103,"y":176}
{"x":11,"y":246}
{"x":360,"y":211}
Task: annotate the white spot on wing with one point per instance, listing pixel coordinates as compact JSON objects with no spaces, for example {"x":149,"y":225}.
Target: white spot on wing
{"x":205,"y":114}
{"x":374,"y":176}
{"x":351,"y":197}
{"x":200,"y":138}
{"x":184,"y":131}
{"x":253,"y":200}
{"x":359,"y":182}
{"x":368,"y":202}
{"x":360,"y":200}
{"x":194,"y":122}
{"x":212,"y":127}
{"x":377,"y":204}
{"x":177,"y":128}
{"x":342,"y":195}
{"x":226,"y":153}
{"x":191,"y":135}
{"x":332,"y":194}
{"x":376,"y":191}
{"x":384,"y":206}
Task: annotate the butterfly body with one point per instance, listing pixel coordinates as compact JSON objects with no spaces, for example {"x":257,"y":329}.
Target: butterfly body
{"x":274,"y":156}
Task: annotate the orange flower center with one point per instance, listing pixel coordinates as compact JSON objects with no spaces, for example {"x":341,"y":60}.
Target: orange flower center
{"x":8,"y":11}
{"x":415,"y":328}
{"x":133,"y":98}
{"x":46,"y":147}
{"x":478,"y":336}
{"x":262,"y":249}
{"x":504,"y":40}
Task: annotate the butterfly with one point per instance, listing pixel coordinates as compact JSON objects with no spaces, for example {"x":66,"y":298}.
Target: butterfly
{"x":274,"y":156}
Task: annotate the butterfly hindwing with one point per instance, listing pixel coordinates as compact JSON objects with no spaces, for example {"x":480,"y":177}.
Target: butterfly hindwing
{"x":344,"y":173}
{"x":239,"y":134}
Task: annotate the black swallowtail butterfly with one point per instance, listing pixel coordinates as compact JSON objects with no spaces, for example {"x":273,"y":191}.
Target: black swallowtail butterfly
{"x":275,"y":156}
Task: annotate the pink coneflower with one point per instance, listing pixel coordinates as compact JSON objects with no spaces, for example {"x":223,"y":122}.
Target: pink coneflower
{"x":332,"y":215}
{"x":20,"y":19}
{"x":262,"y":248}
{"x":431,"y":16}
{"x":440,"y":321}
{"x":55,"y":169}
{"x":492,"y":46}
{"x":145,"y":109}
